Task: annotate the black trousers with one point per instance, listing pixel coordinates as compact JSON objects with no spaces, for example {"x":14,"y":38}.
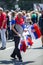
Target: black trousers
{"x":16,"y":50}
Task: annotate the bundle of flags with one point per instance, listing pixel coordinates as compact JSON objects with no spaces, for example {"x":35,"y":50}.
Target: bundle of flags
{"x":23,"y":46}
{"x":36,"y":31}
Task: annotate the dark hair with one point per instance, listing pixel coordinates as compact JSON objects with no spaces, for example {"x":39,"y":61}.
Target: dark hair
{"x":13,"y":14}
{"x":7,"y":11}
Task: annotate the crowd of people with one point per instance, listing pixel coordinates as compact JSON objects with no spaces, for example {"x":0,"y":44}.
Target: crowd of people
{"x":8,"y":30}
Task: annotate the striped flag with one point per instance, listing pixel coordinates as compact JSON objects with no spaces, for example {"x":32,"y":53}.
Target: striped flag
{"x":36,"y":31}
{"x":29,"y":40}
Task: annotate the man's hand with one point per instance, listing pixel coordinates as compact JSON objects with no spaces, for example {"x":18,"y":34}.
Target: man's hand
{"x":19,"y":35}
{"x":3,"y":24}
{"x":1,"y":27}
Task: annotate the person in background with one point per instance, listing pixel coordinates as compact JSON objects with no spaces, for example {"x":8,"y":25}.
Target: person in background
{"x":3,"y":28}
{"x":24,"y":15}
{"x":34,"y":17}
{"x":13,"y":14}
{"x":8,"y":27}
{"x":41,"y":24}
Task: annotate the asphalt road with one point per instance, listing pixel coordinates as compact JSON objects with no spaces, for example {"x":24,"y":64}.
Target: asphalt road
{"x":33,"y":56}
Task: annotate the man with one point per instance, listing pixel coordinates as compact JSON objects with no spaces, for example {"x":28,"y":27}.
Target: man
{"x":19,"y":21}
{"x":3,"y":28}
{"x":41,"y":24}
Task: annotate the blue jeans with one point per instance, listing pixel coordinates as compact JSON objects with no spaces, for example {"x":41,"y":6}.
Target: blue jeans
{"x":3,"y":37}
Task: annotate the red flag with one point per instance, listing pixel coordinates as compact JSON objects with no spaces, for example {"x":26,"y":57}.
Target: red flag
{"x":23,"y":46}
{"x":37,"y":30}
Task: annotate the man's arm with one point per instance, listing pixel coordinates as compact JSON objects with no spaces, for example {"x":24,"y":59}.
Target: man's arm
{"x":3,"y":24}
{"x":15,"y":30}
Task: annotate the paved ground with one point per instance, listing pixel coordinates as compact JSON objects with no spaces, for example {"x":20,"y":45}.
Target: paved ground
{"x":33,"y":56}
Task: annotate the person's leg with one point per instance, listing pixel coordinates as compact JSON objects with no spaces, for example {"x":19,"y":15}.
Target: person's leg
{"x":42,"y":40}
{"x":42,"y":36}
{"x":14,"y":51}
{"x":8,"y":33}
{"x":13,"y":54}
{"x":3,"y":37}
{"x":17,"y":40}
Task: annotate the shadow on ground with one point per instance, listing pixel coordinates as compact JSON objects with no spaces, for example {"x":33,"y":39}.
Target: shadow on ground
{"x":15,"y":62}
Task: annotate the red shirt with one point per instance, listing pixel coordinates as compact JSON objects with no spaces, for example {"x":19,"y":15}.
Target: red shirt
{"x":2,"y":17}
{"x":19,"y":21}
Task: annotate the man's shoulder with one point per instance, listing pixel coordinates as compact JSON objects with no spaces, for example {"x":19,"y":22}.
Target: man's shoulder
{"x":3,"y":14}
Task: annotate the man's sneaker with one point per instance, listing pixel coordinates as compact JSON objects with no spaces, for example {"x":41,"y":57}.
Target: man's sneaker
{"x":3,"y":48}
{"x":13,"y":57}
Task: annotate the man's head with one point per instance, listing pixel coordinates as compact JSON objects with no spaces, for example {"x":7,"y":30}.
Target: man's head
{"x":1,"y":10}
{"x":28,"y":19}
{"x":19,"y":14}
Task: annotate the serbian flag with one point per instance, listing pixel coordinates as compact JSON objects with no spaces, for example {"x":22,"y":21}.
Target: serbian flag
{"x":29,"y":41}
{"x":36,"y":31}
{"x":23,"y":46}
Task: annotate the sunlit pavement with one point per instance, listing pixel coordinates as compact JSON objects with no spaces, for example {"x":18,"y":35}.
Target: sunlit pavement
{"x":33,"y":56}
